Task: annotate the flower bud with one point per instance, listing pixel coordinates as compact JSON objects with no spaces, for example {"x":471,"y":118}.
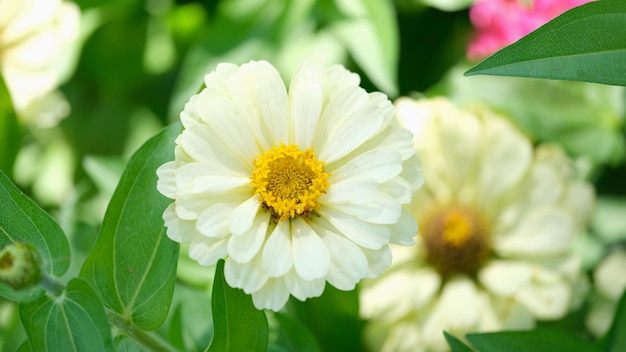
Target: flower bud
{"x":20,"y":265}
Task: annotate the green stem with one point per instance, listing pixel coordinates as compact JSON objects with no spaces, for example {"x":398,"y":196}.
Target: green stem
{"x":151,"y":341}
{"x":52,"y":285}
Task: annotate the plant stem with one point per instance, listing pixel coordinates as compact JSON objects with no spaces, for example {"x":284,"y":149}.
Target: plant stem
{"x":151,"y":341}
{"x":52,"y":285}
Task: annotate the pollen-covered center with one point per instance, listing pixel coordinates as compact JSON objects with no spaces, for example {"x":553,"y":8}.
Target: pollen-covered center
{"x":457,"y":240}
{"x":289,"y":181}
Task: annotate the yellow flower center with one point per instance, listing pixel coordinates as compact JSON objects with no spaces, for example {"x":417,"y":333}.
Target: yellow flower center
{"x":456,"y":239}
{"x":289,"y":181}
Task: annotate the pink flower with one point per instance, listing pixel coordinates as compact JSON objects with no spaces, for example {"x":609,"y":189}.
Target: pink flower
{"x":499,"y":23}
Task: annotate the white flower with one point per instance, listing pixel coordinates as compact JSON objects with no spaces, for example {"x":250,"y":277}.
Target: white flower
{"x":293,"y":188}
{"x":609,"y":283}
{"x":497,"y":220}
{"x":34,"y":40}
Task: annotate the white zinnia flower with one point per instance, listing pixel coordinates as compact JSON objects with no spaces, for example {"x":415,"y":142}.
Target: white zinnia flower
{"x":292,"y":188}
{"x":497,"y":220}
{"x":34,"y":40}
{"x":609,"y":283}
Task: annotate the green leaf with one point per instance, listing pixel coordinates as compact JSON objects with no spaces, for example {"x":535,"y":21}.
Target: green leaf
{"x":124,"y":343}
{"x":615,"y":339}
{"x":21,"y":220}
{"x":10,"y":133}
{"x":238,"y":325}
{"x":288,"y":334}
{"x":74,"y":321}
{"x":455,"y":344}
{"x":586,"y":43}
{"x":376,"y":51}
{"x":133,"y":264}
{"x":547,"y":340}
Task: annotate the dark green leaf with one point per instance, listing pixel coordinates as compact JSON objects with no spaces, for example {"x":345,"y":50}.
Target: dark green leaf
{"x":21,"y":220}
{"x":74,"y":321}
{"x":336,"y":306}
{"x":547,"y":340}
{"x":586,"y":43}
{"x":455,"y":344}
{"x":238,"y":325}
{"x":133,"y":264}
{"x":290,"y":335}
{"x":9,"y":131}
{"x":615,"y":339}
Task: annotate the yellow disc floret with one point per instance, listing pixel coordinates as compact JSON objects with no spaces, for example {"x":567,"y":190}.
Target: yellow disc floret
{"x":289,"y":181}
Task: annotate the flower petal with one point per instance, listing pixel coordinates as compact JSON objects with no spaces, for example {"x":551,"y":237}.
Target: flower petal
{"x":214,"y":221}
{"x":378,"y":261}
{"x":404,"y":230}
{"x":311,"y":258}
{"x":249,"y":277}
{"x":166,"y":183}
{"x":305,"y":97}
{"x":505,"y":278}
{"x":372,"y":236}
{"x":353,"y":190}
{"x":243,"y":216}
{"x":277,"y":253}
{"x":202,"y":178}
{"x":303,"y":289}
{"x":242,"y":248}
{"x":207,"y":251}
{"x":348,"y":263}
{"x":381,"y":165}
{"x":273,"y":295}
{"x":177,"y":229}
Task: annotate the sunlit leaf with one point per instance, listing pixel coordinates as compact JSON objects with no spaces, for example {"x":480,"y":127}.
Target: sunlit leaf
{"x":455,"y":344}
{"x":74,"y":321}
{"x":9,"y":130}
{"x":586,"y":43}
{"x":21,"y":220}
{"x":133,"y":264}
{"x":373,"y":22}
{"x":529,"y":341}
{"x":238,"y":325}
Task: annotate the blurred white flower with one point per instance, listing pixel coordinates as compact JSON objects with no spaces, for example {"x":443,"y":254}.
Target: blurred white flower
{"x":609,"y":282}
{"x":293,"y":188}
{"x":34,"y":39}
{"x":497,"y":220}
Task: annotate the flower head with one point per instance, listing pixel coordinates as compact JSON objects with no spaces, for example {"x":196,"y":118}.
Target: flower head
{"x":294,"y":188}
{"x":497,"y":220}
{"x":20,"y":265}
{"x":499,"y":23}
{"x":34,"y":38}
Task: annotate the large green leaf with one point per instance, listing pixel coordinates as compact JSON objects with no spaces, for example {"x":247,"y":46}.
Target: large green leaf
{"x":547,"y":340}
{"x":133,"y":264}
{"x":238,"y":325}
{"x":376,"y":51}
{"x":586,"y":43}
{"x":455,"y":344}
{"x":288,"y":334}
{"x":9,"y":130}
{"x":21,"y":220}
{"x":74,"y":321}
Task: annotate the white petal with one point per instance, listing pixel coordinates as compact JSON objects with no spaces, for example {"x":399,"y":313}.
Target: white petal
{"x":277,"y":253}
{"x":546,"y":300}
{"x":203,"y":178}
{"x":178,"y":230}
{"x":348,"y":263}
{"x":356,"y":128}
{"x":305,"y":95}
{"x":303,"y":289}
{"x":166,"y":183}
{"x":356,"y":190}
{"x":273,"y":295}
{"x":207,"y":251}
{"x":504,"y":278}
{"x":372,"y":236}
{"x":610,"y":275}
{"x":545,"y":231}
{"x":243,"y":216}
{"x":202,"y":144}
{"x":506,"y":159}
{"x":249,"y":277}
{"x":378,"y":261}
{"x":381,"y":165}
{"x":242,"y":248}
{"x":214,"y":221}
{"x":311,"y":258}
{"x":404,"y":230}
{"x":399,"y":189}
{"x":459,"y":305}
